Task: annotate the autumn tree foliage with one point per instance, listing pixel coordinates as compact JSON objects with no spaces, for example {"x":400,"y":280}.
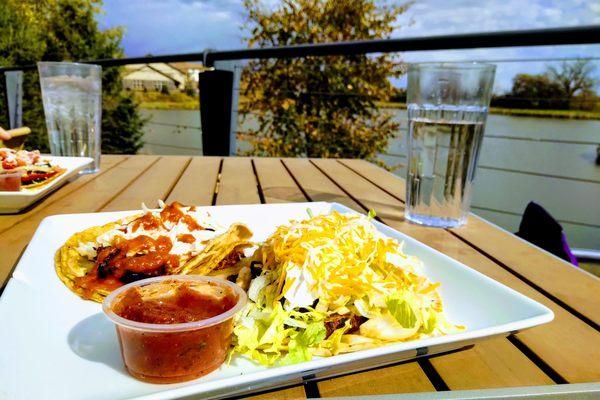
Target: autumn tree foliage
{"x":321,"y":106}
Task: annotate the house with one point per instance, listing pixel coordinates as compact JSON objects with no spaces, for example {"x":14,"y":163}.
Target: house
{"x":155,"y":76}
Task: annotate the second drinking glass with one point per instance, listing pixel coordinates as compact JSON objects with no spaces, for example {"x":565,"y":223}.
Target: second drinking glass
{"x":72,"y":97}
{"x":447,"y":110}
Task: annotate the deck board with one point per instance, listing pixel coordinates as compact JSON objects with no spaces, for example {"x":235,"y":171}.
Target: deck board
{"x":156,"y":183}
{"x":197,"y":184}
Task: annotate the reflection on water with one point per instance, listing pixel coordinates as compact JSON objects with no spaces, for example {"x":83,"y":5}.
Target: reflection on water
{"x":550,"y":161}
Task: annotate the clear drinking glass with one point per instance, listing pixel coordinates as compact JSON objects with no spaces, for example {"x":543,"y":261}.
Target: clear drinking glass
{"x":72,"y":96}
{"x":447,"y":110}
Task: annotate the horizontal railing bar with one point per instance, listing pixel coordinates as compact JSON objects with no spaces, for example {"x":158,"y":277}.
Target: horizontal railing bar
{"x":524,"y":38}
{"x":474,"y":206}
{"x":534,"y":37}
{"x":117,"y":62}
{"x":173,"y":146}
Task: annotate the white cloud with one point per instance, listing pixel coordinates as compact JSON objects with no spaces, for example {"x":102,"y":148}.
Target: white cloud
{"x":182,"y":26}
{"x":443,"y":17}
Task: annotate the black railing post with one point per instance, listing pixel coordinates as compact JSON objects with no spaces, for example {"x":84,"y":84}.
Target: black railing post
{"x":216,"y":93}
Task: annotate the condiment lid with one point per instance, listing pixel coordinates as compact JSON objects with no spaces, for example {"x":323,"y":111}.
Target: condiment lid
{"x":186,"y":326}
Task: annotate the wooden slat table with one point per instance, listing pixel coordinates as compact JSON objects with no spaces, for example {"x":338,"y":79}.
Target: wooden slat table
{"x":566,"y":350}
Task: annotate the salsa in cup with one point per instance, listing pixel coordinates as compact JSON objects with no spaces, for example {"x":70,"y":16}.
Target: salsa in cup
{"x":174,"y":328}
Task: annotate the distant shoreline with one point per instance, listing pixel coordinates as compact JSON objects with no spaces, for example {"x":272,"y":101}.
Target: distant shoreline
{"x":521,"y":112}
{"x":190,"y":103}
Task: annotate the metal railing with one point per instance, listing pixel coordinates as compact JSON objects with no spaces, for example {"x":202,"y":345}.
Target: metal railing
{"x":218,"y":89}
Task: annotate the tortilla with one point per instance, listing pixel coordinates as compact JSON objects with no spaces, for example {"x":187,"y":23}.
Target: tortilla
{"x":71,"y":266}
{"x":44,"y":182}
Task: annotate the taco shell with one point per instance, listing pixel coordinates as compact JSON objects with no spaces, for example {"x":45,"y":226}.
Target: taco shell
{"x":71,"y":266}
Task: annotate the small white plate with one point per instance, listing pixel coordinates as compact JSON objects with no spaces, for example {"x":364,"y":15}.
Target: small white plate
{"x":54,"y":345}
{"x":13,"y":202}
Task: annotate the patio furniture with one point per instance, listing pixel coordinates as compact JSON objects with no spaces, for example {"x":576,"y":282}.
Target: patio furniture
{"x":564,"y":351}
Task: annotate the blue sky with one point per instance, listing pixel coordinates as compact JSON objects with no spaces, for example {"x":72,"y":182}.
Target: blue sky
{"x":182,"y":26}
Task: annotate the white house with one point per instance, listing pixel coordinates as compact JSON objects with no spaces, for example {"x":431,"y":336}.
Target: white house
{"x":155,"y":76}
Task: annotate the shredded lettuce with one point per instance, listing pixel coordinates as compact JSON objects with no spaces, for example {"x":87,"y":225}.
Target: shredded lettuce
{"x":334,"y":266}
{"x":403,"y":311}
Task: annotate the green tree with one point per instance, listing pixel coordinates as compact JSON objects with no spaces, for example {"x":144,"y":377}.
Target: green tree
{"x":319,"y":106}
{"x":66,"y":30}
{"x":536,"y":91}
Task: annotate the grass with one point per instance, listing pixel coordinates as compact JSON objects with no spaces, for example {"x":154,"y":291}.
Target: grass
{"x":564,"y":114}
{"x":171,"y":101}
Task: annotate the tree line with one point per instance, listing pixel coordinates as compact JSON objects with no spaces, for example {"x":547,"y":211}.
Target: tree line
{"x":567,"y":86}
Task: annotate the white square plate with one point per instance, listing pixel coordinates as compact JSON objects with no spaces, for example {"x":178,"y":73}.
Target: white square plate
{"x":53,"y":345}
{"x":12,"y":202}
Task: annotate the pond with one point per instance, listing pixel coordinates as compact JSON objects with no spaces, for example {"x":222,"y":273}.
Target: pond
{"x":550,"y":161}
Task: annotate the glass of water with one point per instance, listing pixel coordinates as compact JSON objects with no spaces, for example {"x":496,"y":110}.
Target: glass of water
{"x":447,"y":109}
{"x":72,"y":96}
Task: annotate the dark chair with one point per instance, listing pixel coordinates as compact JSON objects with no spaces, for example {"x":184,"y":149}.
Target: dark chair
{"x":541,"y":229}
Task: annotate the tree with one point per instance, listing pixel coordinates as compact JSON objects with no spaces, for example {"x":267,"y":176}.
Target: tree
{"x":535,"y":91}
{"x":573,"y":77}
{"x":319,"y":106}
{"x":55,"y":30}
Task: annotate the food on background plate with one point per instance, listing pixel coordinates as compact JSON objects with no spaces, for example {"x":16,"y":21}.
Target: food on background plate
{"x":35,"y":170}
{"x":171,"y":240}
{"x":174,"y":328}
{"x":334,"y":284}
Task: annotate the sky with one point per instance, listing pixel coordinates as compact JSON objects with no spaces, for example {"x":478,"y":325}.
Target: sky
{"x":185,"y":26}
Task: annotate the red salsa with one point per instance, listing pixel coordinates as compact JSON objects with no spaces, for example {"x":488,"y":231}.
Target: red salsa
{"x":174,"y":356}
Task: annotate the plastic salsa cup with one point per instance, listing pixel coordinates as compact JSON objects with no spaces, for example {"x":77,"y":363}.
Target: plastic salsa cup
{"x":168,"y":352}
{"x":10,"y":180}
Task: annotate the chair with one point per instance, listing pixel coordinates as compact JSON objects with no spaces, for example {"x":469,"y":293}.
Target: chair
{"x":541,"y":229}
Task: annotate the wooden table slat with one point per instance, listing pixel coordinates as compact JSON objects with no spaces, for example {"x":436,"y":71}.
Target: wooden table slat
{"x":198,"y":182}
{"x":575,"y":287}
{"x":237,"y":184}
{"x":154,"y":184}
{"x":275,"y":182}
{"x":403,"y":378}
{"x":483,"y":371}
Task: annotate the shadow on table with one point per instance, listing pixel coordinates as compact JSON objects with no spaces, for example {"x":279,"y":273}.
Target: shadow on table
{"x":95,"y":339}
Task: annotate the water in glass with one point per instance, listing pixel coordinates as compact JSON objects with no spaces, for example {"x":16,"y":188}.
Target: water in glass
{"x":444,"y":142}
{"x":73,"y":107}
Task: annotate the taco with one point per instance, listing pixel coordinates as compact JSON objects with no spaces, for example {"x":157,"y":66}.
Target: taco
{"x":171,"y":240}
{"x":35,"y":170}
